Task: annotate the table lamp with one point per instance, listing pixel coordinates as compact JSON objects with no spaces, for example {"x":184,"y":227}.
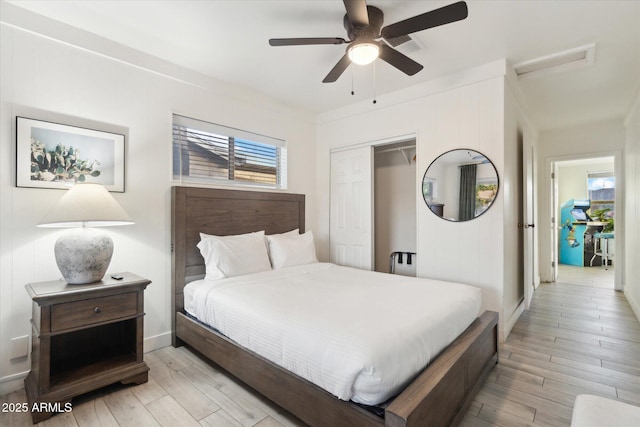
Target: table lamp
{"x":83,"y":253}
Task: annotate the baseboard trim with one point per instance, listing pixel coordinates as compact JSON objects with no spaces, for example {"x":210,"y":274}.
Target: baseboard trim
{"x":157,"y":341}
{"x":508,"y":326}
{"x":635,"y":305}
{"x":11,"y":383}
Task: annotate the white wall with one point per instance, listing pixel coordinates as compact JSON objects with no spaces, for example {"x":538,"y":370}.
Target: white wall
{"x":632,"y":207}
{"x":394,"y":207}
{"x":465,"y":110}
{"x":606,"y":138}
{"x":572,"y":179}
{"x":43,"y":78}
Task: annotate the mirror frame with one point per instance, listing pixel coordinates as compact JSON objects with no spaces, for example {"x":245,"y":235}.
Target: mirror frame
{"x":424,"y":177}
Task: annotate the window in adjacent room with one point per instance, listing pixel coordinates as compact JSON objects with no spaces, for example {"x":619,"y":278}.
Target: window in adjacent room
{"x":209,"y":153}
{"x":602,"y":191}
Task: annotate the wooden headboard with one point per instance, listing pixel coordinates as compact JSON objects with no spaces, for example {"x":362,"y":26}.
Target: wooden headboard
{"x":222,"y":213}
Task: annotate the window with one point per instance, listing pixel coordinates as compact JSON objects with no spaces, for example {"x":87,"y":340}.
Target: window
{"x":207,"y":152}
{"x":602,"y":192}
{"x":486,"y":192}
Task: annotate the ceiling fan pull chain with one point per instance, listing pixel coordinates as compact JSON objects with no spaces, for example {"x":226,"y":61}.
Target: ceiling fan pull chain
{"x":374,"y":82}
{"x":352,"y":91}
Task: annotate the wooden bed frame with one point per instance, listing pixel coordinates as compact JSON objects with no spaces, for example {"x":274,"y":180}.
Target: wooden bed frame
{"x":439,"y":396}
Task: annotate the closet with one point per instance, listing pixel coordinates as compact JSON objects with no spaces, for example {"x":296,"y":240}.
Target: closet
{"x":373,"y":205}
{"x":394,"y":170}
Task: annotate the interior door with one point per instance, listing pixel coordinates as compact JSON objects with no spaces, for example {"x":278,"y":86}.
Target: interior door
{"x":555,"y":218}
{"x":528,"y":210}
{"x":351,"y":217}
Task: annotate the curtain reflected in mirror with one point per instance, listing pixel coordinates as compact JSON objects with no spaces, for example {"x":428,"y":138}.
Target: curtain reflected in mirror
{"x":467,"y":200}
{"x":460,"y":185}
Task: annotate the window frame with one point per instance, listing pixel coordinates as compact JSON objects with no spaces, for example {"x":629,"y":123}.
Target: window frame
{"x":601,"y":204}
{"x":234,"y":138}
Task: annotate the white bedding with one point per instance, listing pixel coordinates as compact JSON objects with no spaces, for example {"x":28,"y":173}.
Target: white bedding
{"x":360,"y":335}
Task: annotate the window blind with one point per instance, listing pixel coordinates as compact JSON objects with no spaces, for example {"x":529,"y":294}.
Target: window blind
{"x":208,"y":152}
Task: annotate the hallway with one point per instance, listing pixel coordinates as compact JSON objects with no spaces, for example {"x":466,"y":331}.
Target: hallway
{"x":576,"y":338}
{"x":596,"y":277}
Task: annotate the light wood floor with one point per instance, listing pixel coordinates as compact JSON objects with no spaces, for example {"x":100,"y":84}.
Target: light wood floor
{"x":575,"y":339}
{"x":597,"y":277}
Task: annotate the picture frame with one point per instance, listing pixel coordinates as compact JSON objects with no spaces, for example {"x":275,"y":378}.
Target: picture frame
{"x":55,"y":155}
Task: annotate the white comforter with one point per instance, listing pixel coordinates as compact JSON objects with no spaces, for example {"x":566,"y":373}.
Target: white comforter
{"x":360,"y":335}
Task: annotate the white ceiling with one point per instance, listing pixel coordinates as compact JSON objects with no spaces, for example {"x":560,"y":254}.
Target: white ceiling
{"x":228,"y":41}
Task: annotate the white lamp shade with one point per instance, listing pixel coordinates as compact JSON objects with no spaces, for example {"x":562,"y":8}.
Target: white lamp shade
{"x":86,"y":205}
{"x":363,"y":53}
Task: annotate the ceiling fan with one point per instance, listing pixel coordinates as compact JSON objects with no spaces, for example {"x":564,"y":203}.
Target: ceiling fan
{"x":368,"y":40}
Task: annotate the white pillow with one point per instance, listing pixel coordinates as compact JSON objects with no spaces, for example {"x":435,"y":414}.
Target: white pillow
{"x":295,"y":232}
{"x":229,"y":256}
{"x":207,"y":236}
{"x":288,"y":250}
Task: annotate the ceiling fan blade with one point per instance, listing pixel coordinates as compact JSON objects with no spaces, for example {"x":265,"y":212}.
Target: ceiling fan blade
{"x":399,"y":60}
{"x":444,"y":15}
{"x":337,"y":70}
{"x":306,"y":41}
{"x":357,"y":12}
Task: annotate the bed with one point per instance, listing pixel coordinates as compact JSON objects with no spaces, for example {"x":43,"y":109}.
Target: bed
{"x":438,"y":396}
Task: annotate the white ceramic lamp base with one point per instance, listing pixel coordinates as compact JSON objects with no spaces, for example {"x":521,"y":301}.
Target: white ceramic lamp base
{"x":83,"y":255}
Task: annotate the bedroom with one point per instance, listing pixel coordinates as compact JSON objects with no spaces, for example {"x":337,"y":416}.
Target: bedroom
{"x":70,"y":76}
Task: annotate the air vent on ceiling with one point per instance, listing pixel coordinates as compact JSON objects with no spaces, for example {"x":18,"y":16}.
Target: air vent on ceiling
{"x":405,"y":44}
{"x":397,"y":41}
{"x":563,"y":61}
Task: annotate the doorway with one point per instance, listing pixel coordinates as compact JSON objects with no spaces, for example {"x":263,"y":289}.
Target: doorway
{"x":395,"y":227}
{"x":584,"y":206}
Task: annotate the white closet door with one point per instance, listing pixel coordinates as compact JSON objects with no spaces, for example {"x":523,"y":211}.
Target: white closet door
{"x":351,"y":232}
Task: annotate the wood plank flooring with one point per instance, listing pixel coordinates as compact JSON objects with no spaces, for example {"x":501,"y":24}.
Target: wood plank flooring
{"x":578,"y":337}
{"x":575,"y":339}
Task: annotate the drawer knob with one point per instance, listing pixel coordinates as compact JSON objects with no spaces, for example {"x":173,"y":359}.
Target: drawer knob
{"x":97,"y":310}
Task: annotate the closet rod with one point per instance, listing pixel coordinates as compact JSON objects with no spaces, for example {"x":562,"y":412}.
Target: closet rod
{"x":408,"y":147}
{"x":400,"y":149}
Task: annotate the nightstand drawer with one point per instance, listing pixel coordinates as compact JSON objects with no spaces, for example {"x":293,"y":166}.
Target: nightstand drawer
{"x":81,"y":313}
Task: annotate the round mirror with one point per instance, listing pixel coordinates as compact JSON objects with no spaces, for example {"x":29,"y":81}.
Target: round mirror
{"x":460,"y":185}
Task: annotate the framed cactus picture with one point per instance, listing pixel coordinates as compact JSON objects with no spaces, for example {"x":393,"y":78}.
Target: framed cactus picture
{"x":54,"y":155}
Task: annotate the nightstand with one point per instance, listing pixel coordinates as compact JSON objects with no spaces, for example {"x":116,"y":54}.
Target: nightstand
{"x":84,"y":337}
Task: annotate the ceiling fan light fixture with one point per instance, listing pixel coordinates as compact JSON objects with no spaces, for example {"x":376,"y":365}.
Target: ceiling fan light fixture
{"x":363,"y":53}
{"x":363,"y":24}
